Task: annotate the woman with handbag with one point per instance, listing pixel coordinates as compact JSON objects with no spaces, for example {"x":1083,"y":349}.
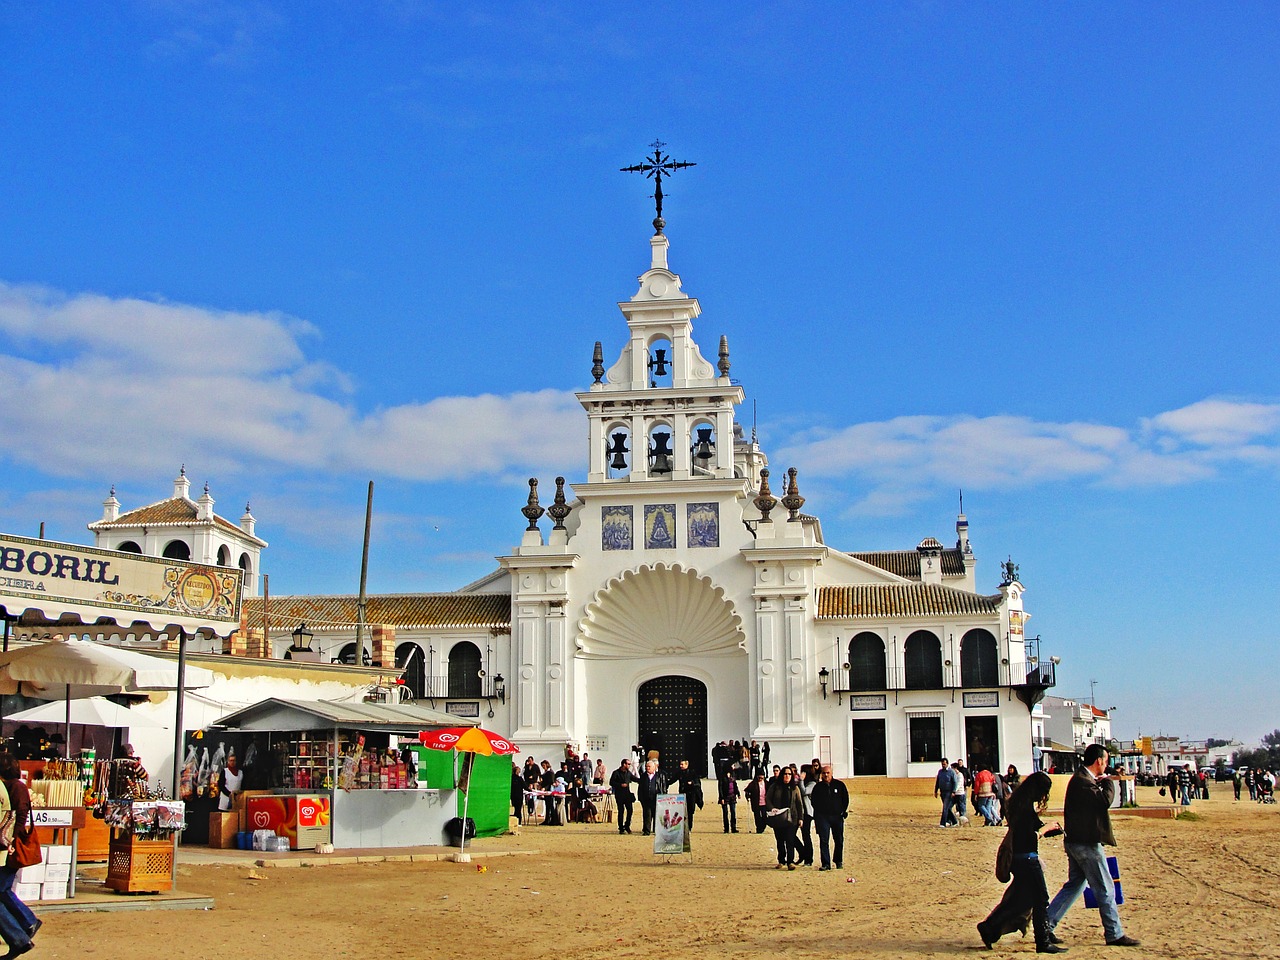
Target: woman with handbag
{"x":17,"y":923}
{"x":1027,"y":892}
{"x":786,"y":806}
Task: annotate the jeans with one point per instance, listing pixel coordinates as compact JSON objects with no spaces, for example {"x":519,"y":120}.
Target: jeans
{"x":987,"y":807}
{"x":804,"y":842}
{"x":15,"y":917}
{"x":1087,"y":863}
{"x":829,"y":827}
{"x":948,"y":817}
{"x":784,"y":835}
{"x":729,"y":811}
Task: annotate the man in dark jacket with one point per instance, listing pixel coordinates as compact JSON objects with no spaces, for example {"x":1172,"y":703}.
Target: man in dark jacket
{"x":943,"y":786}
{"x":652,"y":784}
{"x":727,"y":791}
{"x":620,"y":783}
{"x":830,"y":801}
{"x":691,"y":787}
{"x":1087,"y":823}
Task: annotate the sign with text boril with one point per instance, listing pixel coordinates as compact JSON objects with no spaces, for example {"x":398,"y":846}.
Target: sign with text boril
{"x":670,"y":826}
{"x":58,"y":578}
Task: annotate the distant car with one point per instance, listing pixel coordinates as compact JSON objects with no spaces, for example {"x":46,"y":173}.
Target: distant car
{"x":1224,"y":773}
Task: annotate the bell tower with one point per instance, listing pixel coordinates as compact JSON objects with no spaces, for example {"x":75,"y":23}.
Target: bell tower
{"x":662,"y":411}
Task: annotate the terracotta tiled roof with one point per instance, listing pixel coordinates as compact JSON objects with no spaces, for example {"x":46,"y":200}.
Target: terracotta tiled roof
{"x":396,"y":609}
{"x":906,"y":563}
{"x":900,"y":600}
{"x":176,"y":510}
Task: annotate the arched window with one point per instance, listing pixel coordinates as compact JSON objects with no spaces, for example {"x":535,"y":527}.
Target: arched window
{"x":979,"y":664}
{"x":129,"y":546}
{"x":176,"y":550}
{"x":245,"y":564}
{"x":922,"y":660}
{"x":866,"y":663}
{"x":224,"y":556}
{"x":411,"y":659}
{"x":464,"y":670}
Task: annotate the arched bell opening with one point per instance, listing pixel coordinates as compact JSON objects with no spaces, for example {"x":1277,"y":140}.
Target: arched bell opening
{"x":660,"y":362}
{"x":661,"y":452}
{"x":176,"y":550}
{"x":618,"y":453}
{"x":702,"y":448}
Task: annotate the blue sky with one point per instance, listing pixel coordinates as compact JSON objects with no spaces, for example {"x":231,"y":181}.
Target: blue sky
{"x":1025,"y":250}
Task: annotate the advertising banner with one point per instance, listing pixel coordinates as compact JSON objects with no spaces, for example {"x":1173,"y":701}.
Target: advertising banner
{"x":670,"y":829}
{"x":57,"y":578}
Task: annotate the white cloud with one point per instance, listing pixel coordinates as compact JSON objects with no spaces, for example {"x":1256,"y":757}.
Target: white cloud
{"x":128,"y":388}
{"x":1217,"y":422}
{"x":897,"y":461}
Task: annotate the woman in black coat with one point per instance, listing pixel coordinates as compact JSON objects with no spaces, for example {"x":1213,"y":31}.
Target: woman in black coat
{"x":1027,"y":892}
{"x":786,"y":807}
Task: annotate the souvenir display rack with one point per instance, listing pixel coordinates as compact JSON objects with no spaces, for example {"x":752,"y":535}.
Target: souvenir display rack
{"x":140,"y":858}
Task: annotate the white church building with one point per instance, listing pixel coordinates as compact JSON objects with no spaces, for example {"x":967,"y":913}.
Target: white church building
{"x":679,"y":596}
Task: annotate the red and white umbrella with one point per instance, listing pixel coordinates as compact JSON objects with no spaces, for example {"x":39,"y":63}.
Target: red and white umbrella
{"x":470,"y":740}
{"x":467,"y":740}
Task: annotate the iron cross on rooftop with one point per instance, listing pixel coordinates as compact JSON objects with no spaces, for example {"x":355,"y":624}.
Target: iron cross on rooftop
{"x":655,"y":168}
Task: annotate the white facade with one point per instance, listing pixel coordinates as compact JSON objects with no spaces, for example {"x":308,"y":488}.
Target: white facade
{"x":672,"y":600}
{"x":183,"y":529}
{"x":674,"y":561}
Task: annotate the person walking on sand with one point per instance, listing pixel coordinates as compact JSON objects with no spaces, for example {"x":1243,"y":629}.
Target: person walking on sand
{"x":830,"y":799}
{"x":727,"y":790}
{"x":1027,"y":892}
{"x":620,"y":783}
{"x":1088,"y":827}
{"x":943,"y":785}
{"x":786,"y":807}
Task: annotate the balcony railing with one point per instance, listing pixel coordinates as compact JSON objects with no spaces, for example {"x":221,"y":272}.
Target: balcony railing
{"x":1006,"y":675}
{"x":437,"y":688}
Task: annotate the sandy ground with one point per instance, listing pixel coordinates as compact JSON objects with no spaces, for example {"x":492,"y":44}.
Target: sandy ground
{"x":1202,"y":888}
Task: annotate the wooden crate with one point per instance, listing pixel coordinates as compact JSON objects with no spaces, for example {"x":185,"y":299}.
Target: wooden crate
{"x":138,"y":866}
{"x":223,"y":828}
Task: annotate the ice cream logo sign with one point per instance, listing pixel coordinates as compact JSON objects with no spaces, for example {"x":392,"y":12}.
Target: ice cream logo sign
{"x":262,"y":819}
{"x":308,"y":813}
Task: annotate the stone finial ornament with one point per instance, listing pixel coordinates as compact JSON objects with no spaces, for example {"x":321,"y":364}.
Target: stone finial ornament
{"x":724,"y":356}
{"x":559,"y":509}
{"x":597,"y":362}
{"x":765,"y":501}
{"x":532,"y":511}
{"x":792,"y":499}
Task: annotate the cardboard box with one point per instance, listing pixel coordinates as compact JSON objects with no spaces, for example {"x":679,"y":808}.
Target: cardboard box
{"x":57,"y":872}
{"x":27,"y":891}
{"x":33,"y":874}
{"x":57,"y":853}
{"x":223,"y":828}
{"x":54,"y":891}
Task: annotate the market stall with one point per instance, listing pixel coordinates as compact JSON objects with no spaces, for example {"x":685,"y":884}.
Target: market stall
{"x":71,"y":584}
{"x":341,"y":765}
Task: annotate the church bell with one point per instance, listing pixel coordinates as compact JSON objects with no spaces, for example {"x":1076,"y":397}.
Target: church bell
{"x":660,"y":453}
{"x":618,"y":451}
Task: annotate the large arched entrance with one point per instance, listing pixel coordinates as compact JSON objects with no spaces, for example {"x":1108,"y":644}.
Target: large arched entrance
{"x":673,"y":721}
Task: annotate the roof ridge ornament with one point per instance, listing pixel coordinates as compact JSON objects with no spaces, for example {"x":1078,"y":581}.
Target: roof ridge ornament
{"x":655,"y":168}
{"x":765,"y":501}
{"x":792,"y":500}
{"x":532,"y":510}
